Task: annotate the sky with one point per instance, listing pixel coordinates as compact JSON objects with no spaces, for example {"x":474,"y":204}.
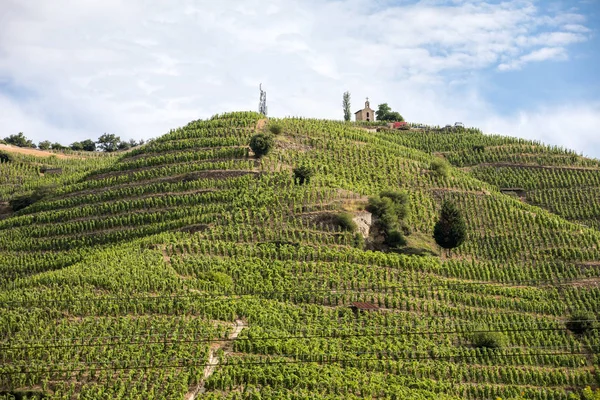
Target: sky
{"x":138,"y":68}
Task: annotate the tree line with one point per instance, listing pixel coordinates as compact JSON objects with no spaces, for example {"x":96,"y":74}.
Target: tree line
{"x":108,"y":142}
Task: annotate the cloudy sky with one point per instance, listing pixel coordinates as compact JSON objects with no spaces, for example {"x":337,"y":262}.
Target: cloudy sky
{"x":70,"y":70}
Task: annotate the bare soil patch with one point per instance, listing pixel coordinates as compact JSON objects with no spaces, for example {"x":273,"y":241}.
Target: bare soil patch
{"x":261,"y":123}
{"x":5,"y":209}
{"x":585,"y":283}
{"x":33,"y":152}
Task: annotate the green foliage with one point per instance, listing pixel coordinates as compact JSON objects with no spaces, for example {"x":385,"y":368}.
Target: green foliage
{"x":346,"y":106}
{"x":275,"y":128}
{"x":589,"y":394}
{"x":385,"y":113}
{"x":109,"y":142}
{"x":85,"y":145}
{"x":20,"y":202}
{"x":261,"y":144}
{"x":440,"y":167}
{"x":345,"y":222}
{"x":19,"y":140}
{"x":58,"y":146}
{"x":150,"y":257}
{"x":359,"y":241}
{"x":450,"y":230}
{"x":489,"y":340}
{"x":479,"y":148}
{"x":390,"y":208}
{"x":302,"y":174}
{"x":5,"y":157}
{"x":44,"y":145}
{"x":395,"y":239}
{"x":581,"y":322}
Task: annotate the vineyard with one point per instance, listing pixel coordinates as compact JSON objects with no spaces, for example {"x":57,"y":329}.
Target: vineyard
{"x":192,"y":268}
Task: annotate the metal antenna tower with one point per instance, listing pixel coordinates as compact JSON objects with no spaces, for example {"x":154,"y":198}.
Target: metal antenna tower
{"x":262,"y":106}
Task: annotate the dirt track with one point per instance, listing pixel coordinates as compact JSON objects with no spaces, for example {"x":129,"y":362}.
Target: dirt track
{"x":32,"y":152}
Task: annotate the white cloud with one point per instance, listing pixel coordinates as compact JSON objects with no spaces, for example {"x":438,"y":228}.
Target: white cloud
{"x":139,"y":67}
{"x":571,"y":126}
{"x":543,"y":54}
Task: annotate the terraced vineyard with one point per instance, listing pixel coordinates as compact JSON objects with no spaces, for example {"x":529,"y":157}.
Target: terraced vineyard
{"x":188,"y":268}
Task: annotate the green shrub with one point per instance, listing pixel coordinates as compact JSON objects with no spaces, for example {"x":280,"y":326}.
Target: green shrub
{"x":5,"y":157}
{"x":302,"y":174}
{"x":344,"y":221}
{"x":275,"y":129}
{"x":359,"y":241}
{"x":440,"y":167}
{"x":390,"y":208}
{"x":20,"y":202}
{"x":450,"y":230}
{"x":490,"y":340}
{"x":395,"y":239}
{"x":581,"y":322}
{"x":261,"y":144}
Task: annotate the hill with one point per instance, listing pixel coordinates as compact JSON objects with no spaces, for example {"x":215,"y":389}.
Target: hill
{"x":189,"y":267}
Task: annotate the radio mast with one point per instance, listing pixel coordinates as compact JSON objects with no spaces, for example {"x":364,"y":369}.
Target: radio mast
{"x":262,"y":106}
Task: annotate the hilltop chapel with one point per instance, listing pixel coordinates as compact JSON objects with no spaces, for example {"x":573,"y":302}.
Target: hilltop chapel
{"x":366,"y":114}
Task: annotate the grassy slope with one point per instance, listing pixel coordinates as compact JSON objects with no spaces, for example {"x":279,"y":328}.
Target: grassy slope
{"x":101,"y":260}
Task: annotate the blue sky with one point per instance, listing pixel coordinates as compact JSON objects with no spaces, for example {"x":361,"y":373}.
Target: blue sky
{"x":137,"y":68}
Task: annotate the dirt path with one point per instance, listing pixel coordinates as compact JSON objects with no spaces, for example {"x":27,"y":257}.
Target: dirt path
{"x":32,"y":152}
{"x":260,"y":124}
{"x":213,"y":360}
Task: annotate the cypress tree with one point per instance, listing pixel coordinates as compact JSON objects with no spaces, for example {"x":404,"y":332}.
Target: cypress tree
{"x":346,"y":104}
{"x":450,"y":231}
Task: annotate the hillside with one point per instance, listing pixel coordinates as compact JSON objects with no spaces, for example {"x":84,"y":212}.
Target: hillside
{"x":188,"y":268}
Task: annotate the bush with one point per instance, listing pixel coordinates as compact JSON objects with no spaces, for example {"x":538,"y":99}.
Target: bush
{"x":490,"y":340}
{"x":479,"y":148}
{"x":450,"y":230}
{"x":440,"y":167}
{"x":5,"y":157}
{"x":275,"y":129}
{"x":344,"y":221}
{"x":19,"y":140}
{"x":581,"y":322}
{"x":303,"y":174}
{"x":395,"y":239}
{"x":261,"y":144}
{"x":359,"y":241}
{"x":20,"y":202}
{"x":390,"y":207}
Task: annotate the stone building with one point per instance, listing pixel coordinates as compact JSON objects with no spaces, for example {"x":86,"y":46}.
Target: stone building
{"x":366,"y":114}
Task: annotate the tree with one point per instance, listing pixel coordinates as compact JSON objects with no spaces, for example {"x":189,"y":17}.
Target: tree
{"x":109,"y":142}
{"x":451,"y":230}
{"x":77,"y":146}
{"x":581,"y":322}
{"x":385,"y":113}
{"x":261,"y":144}
{"x":88,"y":145}
{"x":19,"y":140}
{"x":57,"y":146}
{"x":346,"y":104}
{"x":440,"y":167}
{"x":302,"y":174}
{"x":44,"y":145}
